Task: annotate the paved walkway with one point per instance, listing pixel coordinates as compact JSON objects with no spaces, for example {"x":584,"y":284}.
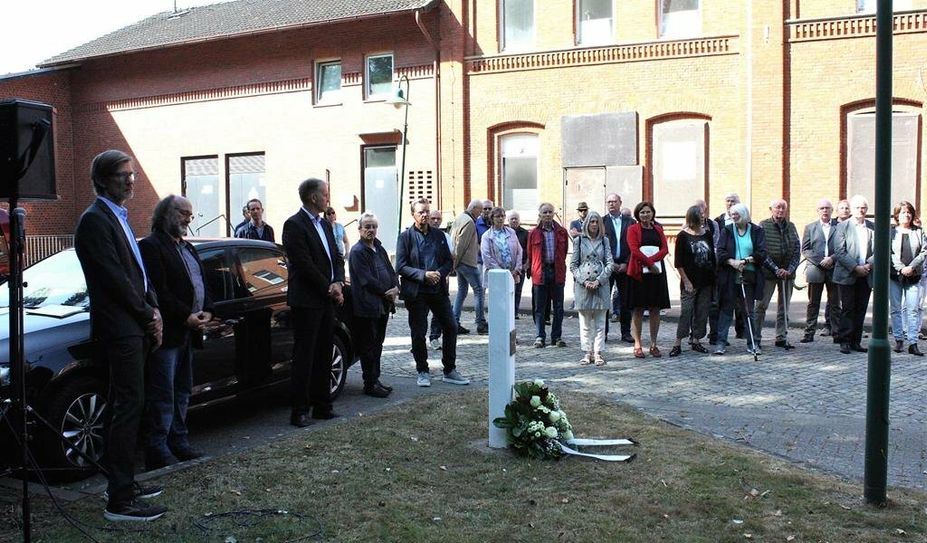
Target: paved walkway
{"x":807,"y":405}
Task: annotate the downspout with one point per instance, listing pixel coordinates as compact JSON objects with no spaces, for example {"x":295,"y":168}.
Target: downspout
{"x":748,"y":152}
{"x":436,"y":68}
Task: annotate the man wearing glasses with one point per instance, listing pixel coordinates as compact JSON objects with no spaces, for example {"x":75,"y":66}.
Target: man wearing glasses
{"x":817,"y":246}
{"x":124,"y":320}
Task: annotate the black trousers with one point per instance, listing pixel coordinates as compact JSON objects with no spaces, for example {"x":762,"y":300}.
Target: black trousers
{"x":125,"y":358}
{"x":815,"y":292}
{"x":624,"y":311}
{"x":313,"y":329}
{"x":440,"y":307}
{"x":369,"y":334}
{"x":854,"y":300}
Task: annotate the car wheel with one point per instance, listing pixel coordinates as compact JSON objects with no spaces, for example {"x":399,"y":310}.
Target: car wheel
{"x":77,"y":411}
{"x":339,"y":369}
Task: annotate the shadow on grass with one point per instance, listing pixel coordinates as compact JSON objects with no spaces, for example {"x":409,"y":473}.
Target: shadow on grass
{"x":414,"y":474}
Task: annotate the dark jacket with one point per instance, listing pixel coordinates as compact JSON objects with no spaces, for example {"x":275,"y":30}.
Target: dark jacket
{"x":168,"y":275}
{"x":410,"y":267}
{"x":727,"y":249}
{"x":368,"y":287}
{"x":249,"y":231}
{"x":614,"y":237}
{"x":311,"y":272}
{"x":120,"y":305}
{"x":783,"y":247}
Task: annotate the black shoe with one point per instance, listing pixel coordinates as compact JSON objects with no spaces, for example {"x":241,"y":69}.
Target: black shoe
{"x":323,"y":414}
{"x":912,"y":348}
{"x":482,"y":329}
{"x":697,"y":347}
{"x":784,"y":343}
{"x":461,"y":331}
{"x":559,"y":343}
{"x":141,"y":492}
{"x":376,"y":391}
{"x":845,"y":348}
{"x":806,"y":339}
{"x":387,"y":387}
{"x":186,"y":453}
{"x":300,"y":420}
{"x":675,"y":351}
{"x":859,"y":348}
{"x":158,"y":460}
{"x":627,"y":339}
{"x":899,"y":346}
{"x":517,"y":317}
{"x":133,"y":510}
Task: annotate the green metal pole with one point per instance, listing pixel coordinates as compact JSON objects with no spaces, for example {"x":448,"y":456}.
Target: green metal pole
{"x":402,"y":168}
{"x":879,"y":372}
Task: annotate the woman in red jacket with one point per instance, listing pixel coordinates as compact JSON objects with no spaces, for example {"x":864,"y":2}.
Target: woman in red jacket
{"x":647,"y":287}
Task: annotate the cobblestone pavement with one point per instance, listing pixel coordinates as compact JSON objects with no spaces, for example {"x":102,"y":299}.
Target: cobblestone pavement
{"x":807,"y":405}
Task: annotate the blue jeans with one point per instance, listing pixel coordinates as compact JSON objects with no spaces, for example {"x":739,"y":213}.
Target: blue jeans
{"x":729,"y":301}
{"x":469,"y":276}
{"x":167,"y":395}
{"x":905,"y":310}
{"x":541,"y":293}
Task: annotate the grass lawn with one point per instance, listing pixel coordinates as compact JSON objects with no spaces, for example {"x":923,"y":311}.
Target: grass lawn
{"x":421,"y":472}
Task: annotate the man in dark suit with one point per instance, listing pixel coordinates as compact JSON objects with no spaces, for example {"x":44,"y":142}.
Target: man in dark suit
{"x":178,"y":279}
{"x":852,"y":273}
{"x":817,"y":246}
{"x":616,"y":228}
{"x":316,"y":277}
{"x":125,"y":323}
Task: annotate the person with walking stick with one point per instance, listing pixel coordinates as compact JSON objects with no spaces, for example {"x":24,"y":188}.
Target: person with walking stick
{"x":741,"y":249}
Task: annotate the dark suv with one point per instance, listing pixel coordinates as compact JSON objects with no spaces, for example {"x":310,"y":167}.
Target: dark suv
{"x":251,"y":350}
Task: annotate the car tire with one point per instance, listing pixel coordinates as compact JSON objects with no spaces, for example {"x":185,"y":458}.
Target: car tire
{"x":78,"y":410}
{"x":339,"y":367}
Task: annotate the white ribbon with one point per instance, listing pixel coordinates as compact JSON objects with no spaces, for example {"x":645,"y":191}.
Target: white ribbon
{"x":599,"y":443}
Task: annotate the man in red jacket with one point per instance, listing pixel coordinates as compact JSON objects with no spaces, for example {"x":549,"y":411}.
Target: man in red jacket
{"x":547,"y":250}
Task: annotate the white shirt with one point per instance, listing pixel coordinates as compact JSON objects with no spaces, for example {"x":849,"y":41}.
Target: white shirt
{"x":825,"y":226}
{"x":616,"y":221}
{"x":862,"y":240}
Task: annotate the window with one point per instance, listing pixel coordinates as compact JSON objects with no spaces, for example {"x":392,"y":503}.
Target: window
{"x":201,"y":186}
{"x":520,"y":173}
{"x":263,"y":271}
{"x":680,"y":18}
{"x":328,"y":83}
{"x":218,"y":275}
{"x":594,"y":22}
{"x":517,"y":25}
{"x":869,"y":6}
{"x":679,"y":149}
{"x":246,"y":181}
{"x":379,"y":76}
{"x":860,"y":154}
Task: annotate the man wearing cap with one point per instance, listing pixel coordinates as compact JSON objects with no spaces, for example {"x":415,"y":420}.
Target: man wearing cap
{"x":576,"y":227}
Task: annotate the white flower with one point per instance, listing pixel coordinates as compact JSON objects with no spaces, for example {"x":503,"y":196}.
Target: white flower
{"x":568,"y":435}
{"x":535,"y":401}
{"x":539,"y":382}
{"x":554,"y":416}
{"x":551,"y":431}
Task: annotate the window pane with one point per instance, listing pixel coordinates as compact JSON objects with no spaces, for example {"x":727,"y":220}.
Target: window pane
{"x":869,"y":6}
{"x":518,"y":22}
{"x":329,"y":82}
{"x":218,"y":275}
{"x":861,"y":155}
{"x":678,"y":165}
{"x":263,"y":271}
{"x":595,"y":21}
{"x":378,"y":157}
{"x":520,"y":172}
{"x":246,"y":180}
{"x":680,"y":18}
{"x":379,"y":75}
{"x":201,"y":182}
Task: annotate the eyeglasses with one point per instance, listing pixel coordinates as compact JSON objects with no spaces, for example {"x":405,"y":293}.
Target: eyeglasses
{"x":487,"y":209}
{"x":124,"y":176}
{"x":184,"y":212}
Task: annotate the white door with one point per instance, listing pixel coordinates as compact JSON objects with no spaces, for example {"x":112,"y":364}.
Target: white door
{"x":381,"y":192}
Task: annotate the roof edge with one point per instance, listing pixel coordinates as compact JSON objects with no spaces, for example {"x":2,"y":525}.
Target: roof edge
{"x":72,"y":62}
{"x":36,"y":71}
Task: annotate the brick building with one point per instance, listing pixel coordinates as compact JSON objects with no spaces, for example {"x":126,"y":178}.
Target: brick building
{"x":518,"y":100}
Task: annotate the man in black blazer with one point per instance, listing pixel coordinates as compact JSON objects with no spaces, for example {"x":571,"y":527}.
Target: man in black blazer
{"x":316,"y":277}
{"x":177,"y":276}
{"x":125,"y":323}
{"x":616,"y":228}
{"x":817,"y":246}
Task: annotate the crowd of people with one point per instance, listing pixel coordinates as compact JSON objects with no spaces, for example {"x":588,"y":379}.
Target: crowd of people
{"x":151,"y":304}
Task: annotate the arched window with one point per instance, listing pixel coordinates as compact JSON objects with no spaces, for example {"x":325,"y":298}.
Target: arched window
{"x":677,"y":161}
{"x":518,"y":175}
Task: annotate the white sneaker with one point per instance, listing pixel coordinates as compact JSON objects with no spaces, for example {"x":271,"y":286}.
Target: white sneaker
{"x":424,"y":379}
{"x":455,"y":378}
{"x":435,"y":344}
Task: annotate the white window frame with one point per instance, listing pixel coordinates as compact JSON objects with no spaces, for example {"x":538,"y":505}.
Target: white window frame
{"x":869,"y":6}
{"x":529,"y":143}
{"x":368,"y":91}
{"x":515,"y":47}
{"x":680,"y":24}
{"x":596,"y":39}
{"x":331,"y":97}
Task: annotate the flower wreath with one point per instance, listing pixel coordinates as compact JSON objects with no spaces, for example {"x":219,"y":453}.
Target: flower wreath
{"x":534,"y":423}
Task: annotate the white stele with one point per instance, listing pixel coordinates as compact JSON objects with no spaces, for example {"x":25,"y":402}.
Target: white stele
{"x":501,"y":356}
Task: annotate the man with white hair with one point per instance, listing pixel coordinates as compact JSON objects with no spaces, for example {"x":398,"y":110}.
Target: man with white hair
{"x":466,"y":253}
{"x":853,"y":252}
{"x":817,"y":246}
{"x":783,"y":253}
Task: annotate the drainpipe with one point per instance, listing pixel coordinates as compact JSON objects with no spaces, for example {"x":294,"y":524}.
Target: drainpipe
{"x":748,"y":151}
{"x":437,"y":71}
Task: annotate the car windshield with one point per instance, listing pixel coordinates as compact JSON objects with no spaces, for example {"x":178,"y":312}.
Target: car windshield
{"x":57,"y":280}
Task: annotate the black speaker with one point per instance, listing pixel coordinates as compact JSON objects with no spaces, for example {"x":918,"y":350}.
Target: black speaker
{"x":27,"y":151}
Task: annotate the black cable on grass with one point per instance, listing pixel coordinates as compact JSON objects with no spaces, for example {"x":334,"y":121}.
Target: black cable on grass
{"x":251,"y":517}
